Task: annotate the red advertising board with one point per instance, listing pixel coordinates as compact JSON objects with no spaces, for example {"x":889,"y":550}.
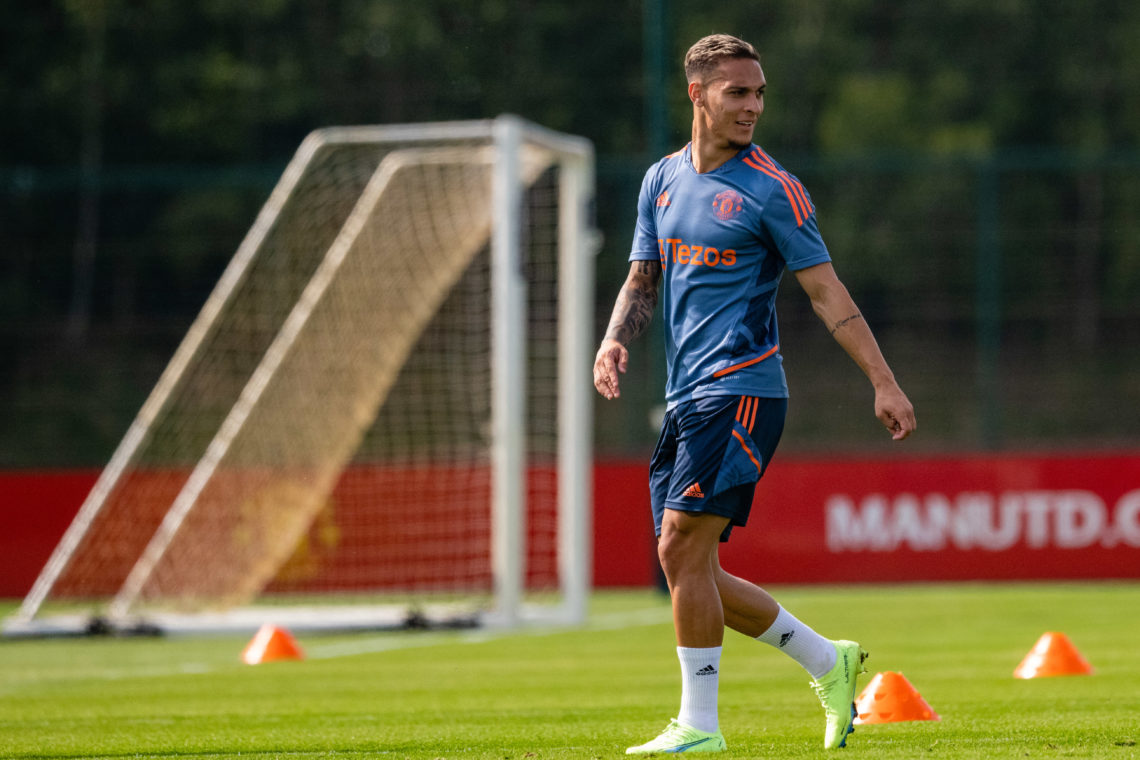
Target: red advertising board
{"x":814,"y":520}
{"x":965,"y":518}
{"x":35,"y":509}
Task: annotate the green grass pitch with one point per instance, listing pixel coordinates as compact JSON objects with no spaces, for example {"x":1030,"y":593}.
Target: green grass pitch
{"x":591,"y":693}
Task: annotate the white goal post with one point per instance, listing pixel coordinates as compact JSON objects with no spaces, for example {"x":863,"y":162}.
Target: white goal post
{"x":385,"y":401}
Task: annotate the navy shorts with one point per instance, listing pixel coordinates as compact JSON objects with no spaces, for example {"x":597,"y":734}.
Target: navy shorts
{"x":711,"y":453}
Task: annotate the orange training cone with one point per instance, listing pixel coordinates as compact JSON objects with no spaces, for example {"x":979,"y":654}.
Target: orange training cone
{"x":890,"y":698}
{"x":271,"y":643}
{"x":1053,"y":655}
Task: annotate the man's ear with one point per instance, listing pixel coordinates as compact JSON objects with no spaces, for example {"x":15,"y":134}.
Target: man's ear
{"x":696,"y":93}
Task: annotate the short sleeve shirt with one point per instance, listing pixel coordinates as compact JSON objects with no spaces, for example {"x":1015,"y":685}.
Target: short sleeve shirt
{"x":723,"y":239}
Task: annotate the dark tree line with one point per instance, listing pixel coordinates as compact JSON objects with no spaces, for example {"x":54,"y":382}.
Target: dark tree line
{"x":212,"y":81}
{"x":140,"y":136}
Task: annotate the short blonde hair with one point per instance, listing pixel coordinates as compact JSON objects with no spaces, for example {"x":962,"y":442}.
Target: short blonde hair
{"x":708,"y":52}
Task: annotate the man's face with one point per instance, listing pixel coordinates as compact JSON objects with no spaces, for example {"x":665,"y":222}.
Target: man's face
{"x":731,"y":102}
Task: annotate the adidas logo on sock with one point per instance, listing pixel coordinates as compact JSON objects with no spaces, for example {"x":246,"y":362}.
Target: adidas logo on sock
{"x":707,"y":670}
{"x":785,"y":638}
{"x":694,"y":491}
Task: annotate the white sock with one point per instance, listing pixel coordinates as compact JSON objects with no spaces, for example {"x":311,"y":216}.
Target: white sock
{"x":815,"y":653}
{"x":700,"y":680}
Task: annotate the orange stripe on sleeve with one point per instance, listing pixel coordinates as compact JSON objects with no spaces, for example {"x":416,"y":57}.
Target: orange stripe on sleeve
{"x":793,"y":183}
{"x":797,"y":186}
{"x":796,"y":208}
{"x":800,"y":193}
{"x":758,"y":159}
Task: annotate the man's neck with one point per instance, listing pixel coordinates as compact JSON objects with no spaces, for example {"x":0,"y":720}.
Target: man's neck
{"x":709,"y":156}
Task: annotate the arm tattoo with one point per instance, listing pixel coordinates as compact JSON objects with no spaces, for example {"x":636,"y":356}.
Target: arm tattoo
{"x":842,"y":322}
{"x":635,"y":304}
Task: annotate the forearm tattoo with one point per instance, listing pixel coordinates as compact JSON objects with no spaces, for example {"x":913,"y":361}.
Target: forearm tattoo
{"x":840,"y":323}
{"x":635,"y":303}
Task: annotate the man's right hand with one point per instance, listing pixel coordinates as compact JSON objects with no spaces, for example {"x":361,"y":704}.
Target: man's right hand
{"x":612,"y":358}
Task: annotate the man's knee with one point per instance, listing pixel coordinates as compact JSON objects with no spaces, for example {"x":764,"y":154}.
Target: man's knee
{"x":688,"y":542}
{"x":674,"y":549}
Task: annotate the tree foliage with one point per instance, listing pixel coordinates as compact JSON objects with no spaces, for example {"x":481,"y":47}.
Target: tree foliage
{"x":901,"y":118}
{"x":225,"y":82}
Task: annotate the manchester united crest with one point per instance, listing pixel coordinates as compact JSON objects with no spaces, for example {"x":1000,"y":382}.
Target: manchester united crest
{"x":727,"y":205}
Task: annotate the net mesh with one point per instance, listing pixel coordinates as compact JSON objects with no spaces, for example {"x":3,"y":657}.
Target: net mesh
{"x":332,"y":429}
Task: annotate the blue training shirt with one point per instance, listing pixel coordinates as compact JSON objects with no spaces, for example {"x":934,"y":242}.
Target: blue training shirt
{"x":723,"y":239}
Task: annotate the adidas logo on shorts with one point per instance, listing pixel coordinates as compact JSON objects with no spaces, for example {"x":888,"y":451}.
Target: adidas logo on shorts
{"x":694,"y":491}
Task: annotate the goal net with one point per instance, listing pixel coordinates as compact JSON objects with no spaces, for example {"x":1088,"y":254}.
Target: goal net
{"x":383,"y":403}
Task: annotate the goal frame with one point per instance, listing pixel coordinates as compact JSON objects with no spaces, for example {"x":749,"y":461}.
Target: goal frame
{"x":577,"y":244}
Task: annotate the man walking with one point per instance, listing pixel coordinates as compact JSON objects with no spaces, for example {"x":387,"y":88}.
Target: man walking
{"x":718,"y":222}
